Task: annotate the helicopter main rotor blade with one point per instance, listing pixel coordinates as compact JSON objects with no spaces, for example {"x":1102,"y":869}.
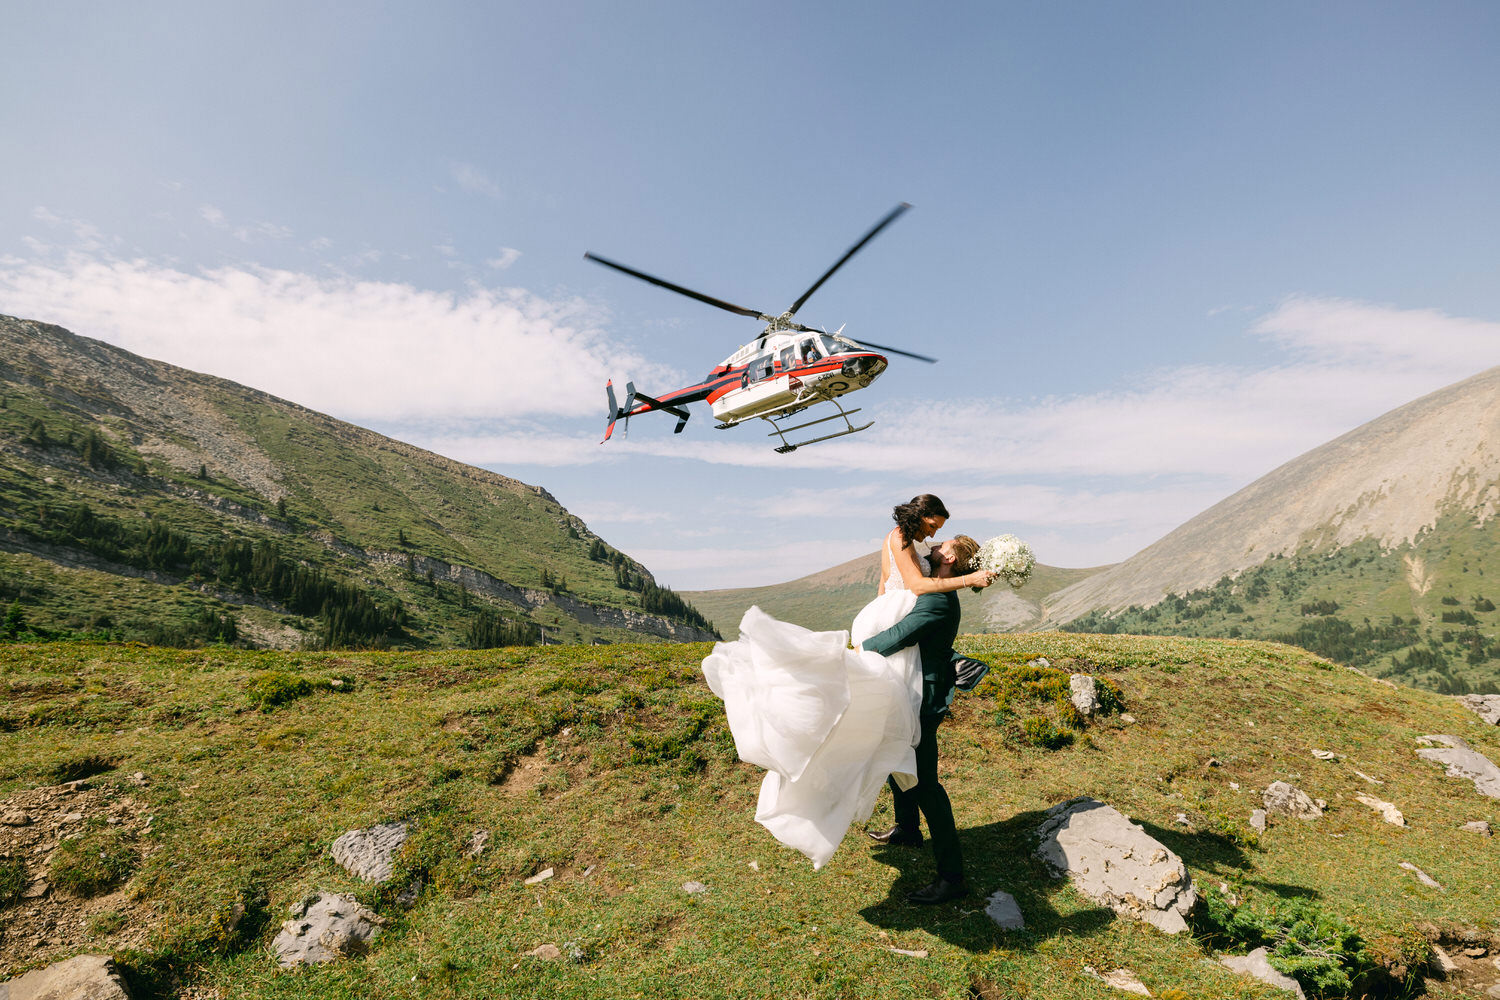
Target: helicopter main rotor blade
{"x":890,"y":217}
{"x":896,"y":350}
{"x":729,"y":306}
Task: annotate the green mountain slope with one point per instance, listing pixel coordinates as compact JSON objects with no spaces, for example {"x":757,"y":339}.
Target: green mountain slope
{"x":828,"y":600}
{"x":612,"y":768}
{"x":1422,"y":613}
{"x":247,"y":508}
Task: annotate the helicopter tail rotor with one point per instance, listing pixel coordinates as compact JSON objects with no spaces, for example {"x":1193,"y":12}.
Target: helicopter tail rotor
{"x":616,"y":412}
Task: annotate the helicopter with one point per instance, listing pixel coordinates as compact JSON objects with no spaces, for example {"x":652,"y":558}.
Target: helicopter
{"x":788,"y":368}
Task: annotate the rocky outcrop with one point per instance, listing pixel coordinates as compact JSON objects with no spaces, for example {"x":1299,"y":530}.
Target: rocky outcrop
{"x":83,"y":977}
{"x":1114,"y":861}
{"x":1083,"y":694}
{"x":1486,"y":706}
{"x":370,"y":854}
{"x":1463,"y":761}
{"x":323,"y":929}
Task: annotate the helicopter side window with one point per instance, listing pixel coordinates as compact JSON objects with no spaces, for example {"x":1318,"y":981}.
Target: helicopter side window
{"x":788,"y":357}
{"x":760,"y":368}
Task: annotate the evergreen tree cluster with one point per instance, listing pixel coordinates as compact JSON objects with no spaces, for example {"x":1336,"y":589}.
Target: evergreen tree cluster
{"x":654,"y":600}
{"x":349,"y":616}
{"x":91,"y":445}
{"x":487,"y":630}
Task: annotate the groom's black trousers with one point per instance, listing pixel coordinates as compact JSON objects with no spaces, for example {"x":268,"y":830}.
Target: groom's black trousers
{"x":929,"y":796}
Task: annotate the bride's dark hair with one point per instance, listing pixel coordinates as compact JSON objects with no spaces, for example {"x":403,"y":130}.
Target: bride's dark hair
{"x":908,"y":516}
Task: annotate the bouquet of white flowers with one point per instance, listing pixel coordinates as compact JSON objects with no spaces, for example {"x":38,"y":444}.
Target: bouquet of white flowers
{"x":1008,"y":557}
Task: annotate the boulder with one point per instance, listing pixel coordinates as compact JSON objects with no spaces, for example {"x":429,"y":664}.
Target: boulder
{"x":1085,"y":696}
{"x":1002,"y":909}
{"x":1283,"y":799}
{"x":1478,"y":826}
{"x":1115,"y":862}
{"x":83,"y":977}
{"x":1463,"y":761}
{"x":1258,"y":964}
{"x":323,"y":929}
{"x":370,"y":854}
{"x":1486,"y":706}
{"x":1258,"y":819}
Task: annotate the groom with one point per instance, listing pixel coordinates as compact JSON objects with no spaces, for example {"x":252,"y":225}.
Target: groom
{"x":931,"y":625}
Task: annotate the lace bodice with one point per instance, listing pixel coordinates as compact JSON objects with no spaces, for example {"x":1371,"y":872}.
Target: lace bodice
{"x":893,"y":579}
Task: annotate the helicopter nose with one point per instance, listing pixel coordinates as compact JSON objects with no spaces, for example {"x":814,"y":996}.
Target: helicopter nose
{"x":865,"y":364}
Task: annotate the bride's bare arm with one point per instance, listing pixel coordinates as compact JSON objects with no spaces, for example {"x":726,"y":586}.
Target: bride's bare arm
{"x":911,"y":575}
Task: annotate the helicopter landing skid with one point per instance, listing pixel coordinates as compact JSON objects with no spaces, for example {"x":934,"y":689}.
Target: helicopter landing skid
{"x":782,"y":432}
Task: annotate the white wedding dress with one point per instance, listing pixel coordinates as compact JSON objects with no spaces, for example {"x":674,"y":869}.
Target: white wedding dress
{"x":827,"y":723}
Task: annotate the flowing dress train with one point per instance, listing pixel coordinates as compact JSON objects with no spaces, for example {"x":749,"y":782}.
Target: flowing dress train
{"x":826,"y":722}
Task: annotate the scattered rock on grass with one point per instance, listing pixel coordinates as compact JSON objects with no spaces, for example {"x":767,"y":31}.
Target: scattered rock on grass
{"x":477,"y":840}
{"x":1085,"y":696}
{"x":370,"y":854}
{"x":1120,"y":979}
{"x":327,"y":927}
{"x":1422,"y":876}
{"x":1283,"y":799}
{"x":1002,"y":909}
{"x":83,"y":977}
{"x":1478,"y":826}
{"x":694,"y":888}
{"x":1387,"y":810}
{"x":1325,"y":755}
{"x":539,"y":877}
{"x":1463,"y":761}
{"x":1258,"y":965}
{"x":546,"y":952}
{"x":1115,"y":862}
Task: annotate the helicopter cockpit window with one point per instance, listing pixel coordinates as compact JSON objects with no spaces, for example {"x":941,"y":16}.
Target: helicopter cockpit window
{"x":831,"y":346}
{"x":810,"y":351}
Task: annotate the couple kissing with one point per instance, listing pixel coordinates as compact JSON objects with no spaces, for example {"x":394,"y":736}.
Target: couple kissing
{"x":833,"y":724}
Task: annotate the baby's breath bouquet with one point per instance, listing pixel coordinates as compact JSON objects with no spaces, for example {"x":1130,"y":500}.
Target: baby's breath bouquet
{"x":1008,"y":557}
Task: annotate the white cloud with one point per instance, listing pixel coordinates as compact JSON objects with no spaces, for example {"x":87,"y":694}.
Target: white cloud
{"x":213,"y":215}
{"x":473,"y":180}
{"x":507,"y":257}
{"x":363,"y":350}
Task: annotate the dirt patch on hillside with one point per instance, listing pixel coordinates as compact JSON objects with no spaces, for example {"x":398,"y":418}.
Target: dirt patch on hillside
{"x":45,"y":923}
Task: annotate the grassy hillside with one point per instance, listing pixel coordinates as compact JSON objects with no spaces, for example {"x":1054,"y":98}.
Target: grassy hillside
{"x":827,"y":601}
{"x":1422,"y":613}
{"x":137,"y":471}
{"x":613,"y":767}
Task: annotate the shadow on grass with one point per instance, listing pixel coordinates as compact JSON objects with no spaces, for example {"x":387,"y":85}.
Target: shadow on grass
{"x":1002,"y":855}
{"x":997,"y":855}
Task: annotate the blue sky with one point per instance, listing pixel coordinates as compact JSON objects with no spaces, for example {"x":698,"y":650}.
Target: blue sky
{"x":1159,"y":248}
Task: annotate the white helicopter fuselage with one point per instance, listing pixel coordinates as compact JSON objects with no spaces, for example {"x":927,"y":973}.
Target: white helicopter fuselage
{"x":784,"y":373}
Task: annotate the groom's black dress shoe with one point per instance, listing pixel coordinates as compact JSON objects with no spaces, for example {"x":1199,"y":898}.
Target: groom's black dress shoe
{"x":940,"y":891}
{"x":897,"y":836}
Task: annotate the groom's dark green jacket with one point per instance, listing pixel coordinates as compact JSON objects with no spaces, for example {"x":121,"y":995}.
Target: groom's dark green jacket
{"x":931,"y":625}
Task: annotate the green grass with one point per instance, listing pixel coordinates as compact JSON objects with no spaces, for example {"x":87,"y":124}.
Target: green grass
{"x":613,"y":766}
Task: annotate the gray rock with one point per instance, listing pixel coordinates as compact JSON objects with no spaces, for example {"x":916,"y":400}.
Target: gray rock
{"x":328,"y":927}
{"x":370,"y":854}
{"x":1422,"y":876}
{"x":694,"y":888}
{"x":1258,"y":965}
{"x":1288,"y":800}
{"x":1325,"y":755}
{"x":1493,"y":991}
{"x":1085,"y":696}
{"x":1002,"y":909}
{"x":84,"y":977}
{"x":546,"y":952}
{"x":1486,"y":706}
{"x":1115,"y":862}
{"x":1478,"y":826}
{"x":1463,"y":761}
{"x":1258,"y":819}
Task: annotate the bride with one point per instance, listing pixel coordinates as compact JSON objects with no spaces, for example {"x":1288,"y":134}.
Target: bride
{"x":828,"y":722}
